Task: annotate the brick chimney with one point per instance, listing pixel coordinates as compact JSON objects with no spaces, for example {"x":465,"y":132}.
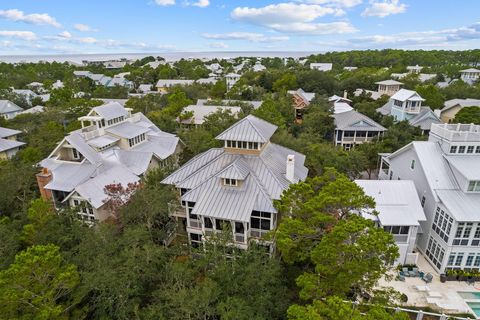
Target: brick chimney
{"x":43,"y":178}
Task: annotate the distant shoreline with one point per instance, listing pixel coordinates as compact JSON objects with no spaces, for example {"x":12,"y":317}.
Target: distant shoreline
{"x":169,"y":56}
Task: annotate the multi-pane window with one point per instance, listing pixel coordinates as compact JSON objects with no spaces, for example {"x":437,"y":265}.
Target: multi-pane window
{"x":115,"y":120}
{"x":442,"y":224}
{"x":474,"y":186}
{"x":208,"y":223}
{"x":477,"y":261}
{"x":461,"y":149}
{"x":396,"y":229}
{"x":462,"y":234}
{"x":261,"y":220}
{"x":76,"y":155}
{"x":86,"y":212}
{"x":453,"y":149}
{"x":477,"y":149}
{"x":230,"y":182}
{"x":397,"y":103}
{"x":136,"y":140}
{"x":469,"y":261}
{"x":470,"y":149}
{"x":476,"y":237}
{"x":459,"y":259}
{"x":220,"y":224}
{"x":451,"y":260}
{"x":435,"y":252}
{"x":243,"y":145}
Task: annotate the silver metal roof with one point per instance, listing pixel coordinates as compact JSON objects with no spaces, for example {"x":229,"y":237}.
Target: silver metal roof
{"x":110,"y":110}
{"x":468,"y":165}
{"x":353,"y":120}
{"x":6,"y":144}
{"x":102,"y":141}
{"x":396,"y":201}
{"x":424,"y":119}
{"x":6,"y":132}
{"x":463,"y":206}
{"x":404,"y":94}
{"x":78,"y":142}
{"x":127,"y":130}
{"x":7,"y":106}
{"x":250,"y":129}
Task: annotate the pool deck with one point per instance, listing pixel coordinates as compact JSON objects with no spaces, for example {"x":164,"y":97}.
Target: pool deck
{"x":443,"y":297}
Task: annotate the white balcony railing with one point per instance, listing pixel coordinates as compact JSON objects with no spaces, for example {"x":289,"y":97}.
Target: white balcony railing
{"x":400,"y":238}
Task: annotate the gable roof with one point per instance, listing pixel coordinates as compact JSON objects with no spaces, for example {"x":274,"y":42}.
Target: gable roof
{"x":250,"y":129}
{"x":389,"y":82}
{"x":7,"y":106}
{"x":110,"y":110}
{"x":6,"y":144}
{"x":424,"y":119}
{"x":404,"y":94}
{"x":353,"y":120}
{"x":77,"y":141}
{"x":6,"y":132}
{"x":461,"y":102}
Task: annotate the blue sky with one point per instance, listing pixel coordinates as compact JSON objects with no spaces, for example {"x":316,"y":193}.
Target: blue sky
{"x":124,"y":26}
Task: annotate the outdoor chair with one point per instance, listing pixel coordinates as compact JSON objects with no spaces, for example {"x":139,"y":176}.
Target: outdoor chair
{"x":414,"y":272}
{"x":427,"y":278}
{"x":400,"y":276}
{"x":405,"y":271}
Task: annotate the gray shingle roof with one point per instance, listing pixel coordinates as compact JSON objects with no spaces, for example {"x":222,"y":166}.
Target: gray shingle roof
{"x":353,"y":120}
{"x":250,"y":129}
{"x":424,"y":119}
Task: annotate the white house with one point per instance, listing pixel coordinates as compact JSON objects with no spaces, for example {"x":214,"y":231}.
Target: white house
{"x":113,"y":146}
{"x":235,"y":185}
{"x":414,"y":69}
{"x":9,"y":110}
{"x":470,"y":75}
{"x":446,"y":173}
{"x":258,"y":66}
{"x":9,"y":145}
{"x":399,"y":213}
{"x":321,"y":66}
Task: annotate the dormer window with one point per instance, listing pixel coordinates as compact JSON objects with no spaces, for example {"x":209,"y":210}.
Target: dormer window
{"x":243,"y":145}
{"x":474,"y":186}
{"x":453,"y":149}
{"x":136,"y":140}
{"x":76,"y":155}
{"x":115,"y":120}
{"x":230,"y":182}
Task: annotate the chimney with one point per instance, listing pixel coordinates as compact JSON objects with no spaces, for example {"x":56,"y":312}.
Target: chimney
{"x":345,"y":94}
{"x":43,"y":178}
{"x":290,"y":173}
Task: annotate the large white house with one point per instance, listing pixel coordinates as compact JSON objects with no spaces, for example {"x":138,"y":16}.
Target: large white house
{"x":113,"y":146}
{"x":321,"y":66}
{"x":235,"y":185}
{"x":446,"y":173}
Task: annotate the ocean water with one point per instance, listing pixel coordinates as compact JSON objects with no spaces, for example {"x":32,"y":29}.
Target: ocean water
{"x":169,"y":56}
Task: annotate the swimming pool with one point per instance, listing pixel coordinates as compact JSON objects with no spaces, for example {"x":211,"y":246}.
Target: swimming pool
{"x":475,"y":306}
{"x":470,"y":295}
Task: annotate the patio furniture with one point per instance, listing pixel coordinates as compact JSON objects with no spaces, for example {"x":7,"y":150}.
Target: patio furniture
{"x":405,"y":271}
{"x":471,"y":281}
{"x":427,"y":278}
{"x":414,"y":272}
{"x":400,"y":276}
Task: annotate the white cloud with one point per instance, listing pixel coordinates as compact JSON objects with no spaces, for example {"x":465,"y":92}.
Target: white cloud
{"x":23,"y":35}
{"x":336,"y":3}
{"x":218,"y":45}
{"x":247,"y":36}
{"x":294,"y":18}
{"x":65,"y":34}
{"x":34,"y":18}
{"x":83,"y":27}
{"x":201,"y":3}
{"x":165,"y":2}
{"x":87,"y":40}
{"x":384,"y":8}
